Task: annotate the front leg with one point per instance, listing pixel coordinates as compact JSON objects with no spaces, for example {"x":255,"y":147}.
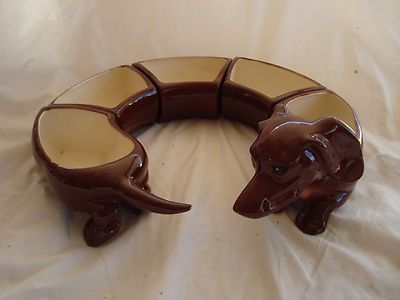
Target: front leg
{"x":313,"y":217}
{"x":104,"y":223}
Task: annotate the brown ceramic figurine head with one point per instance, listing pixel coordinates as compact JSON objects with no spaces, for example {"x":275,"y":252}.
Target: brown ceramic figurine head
{"x":305,"y":151}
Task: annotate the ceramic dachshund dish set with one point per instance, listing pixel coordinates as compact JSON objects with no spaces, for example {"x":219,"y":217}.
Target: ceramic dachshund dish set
{"x":309,"y":147}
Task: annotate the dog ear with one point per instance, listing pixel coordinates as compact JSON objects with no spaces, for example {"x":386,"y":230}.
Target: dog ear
{"x":338,"y":149}
{"x":279,"y":110}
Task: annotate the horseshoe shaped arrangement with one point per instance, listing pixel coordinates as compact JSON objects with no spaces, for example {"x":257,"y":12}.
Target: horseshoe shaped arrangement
{"x":309,"y":147}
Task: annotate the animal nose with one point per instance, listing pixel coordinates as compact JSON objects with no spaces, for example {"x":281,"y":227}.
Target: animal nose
{"x":242,"y":210}
{"x":250,"y":202}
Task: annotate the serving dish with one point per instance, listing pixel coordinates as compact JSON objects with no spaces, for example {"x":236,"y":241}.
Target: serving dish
{"x":309,"y":147}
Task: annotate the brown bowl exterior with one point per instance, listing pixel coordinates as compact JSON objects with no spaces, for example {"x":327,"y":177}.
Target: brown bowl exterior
{"x":249,"y":106}
{"x":181,"y":100}
{"x":98,"y":190}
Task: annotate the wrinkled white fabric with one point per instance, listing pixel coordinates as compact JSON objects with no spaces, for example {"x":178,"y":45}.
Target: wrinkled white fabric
{"x":352,"y":47}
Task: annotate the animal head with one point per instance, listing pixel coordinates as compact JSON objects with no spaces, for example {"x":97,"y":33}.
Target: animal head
{"x":294,"y":158}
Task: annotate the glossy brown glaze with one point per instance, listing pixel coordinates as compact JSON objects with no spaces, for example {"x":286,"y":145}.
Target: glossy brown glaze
{"x":249,"y":106}
{"x":191,"y":99}
{"x":315,"y":162}
{"x":98,"y":190}
{"x":137,"y":110}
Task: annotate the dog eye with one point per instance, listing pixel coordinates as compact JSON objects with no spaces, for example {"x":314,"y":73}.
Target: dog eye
{"x":279,"y":169}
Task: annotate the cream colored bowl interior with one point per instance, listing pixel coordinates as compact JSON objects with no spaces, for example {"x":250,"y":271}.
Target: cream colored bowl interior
{"x":75,"y":138}
{"x":268,"y":79}
{"x":321,"y":105}
{"x":184,"y":69}
{"x":107,"y":89}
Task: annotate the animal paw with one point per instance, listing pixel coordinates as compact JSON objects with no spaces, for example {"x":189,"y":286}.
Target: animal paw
{"x":310,"y":224}
{"x":95,"y":235}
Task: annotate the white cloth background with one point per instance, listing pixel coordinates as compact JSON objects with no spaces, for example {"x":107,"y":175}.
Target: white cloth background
{"x":352,"y":47}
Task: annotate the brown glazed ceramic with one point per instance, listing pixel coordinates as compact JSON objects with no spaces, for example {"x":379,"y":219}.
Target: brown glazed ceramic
{"x":308,"y":148}
{"x":313,"y":161}
{"x":189,"y":87}
{"x":97,"y":189}
{"x":253,"y":87}
{"x":142,"y":100}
